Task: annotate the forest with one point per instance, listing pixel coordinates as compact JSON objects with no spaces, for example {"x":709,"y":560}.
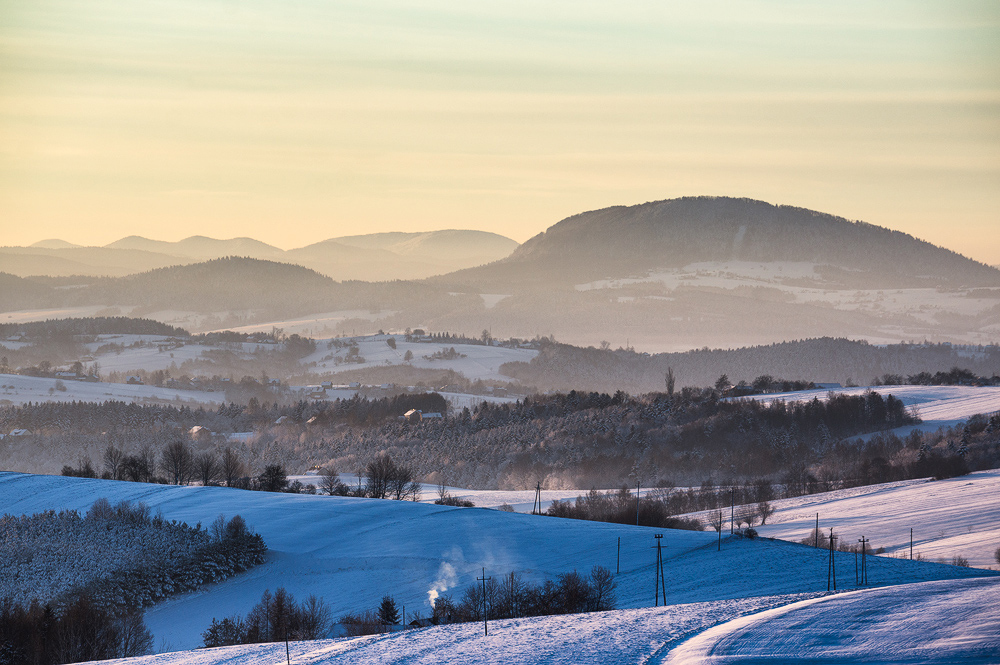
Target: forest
{"x":572,"y":439}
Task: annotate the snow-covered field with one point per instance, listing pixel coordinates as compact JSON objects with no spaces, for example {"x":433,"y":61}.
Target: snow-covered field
{"x":17,"y":390}
{"x":799,"y":282}
{"x":957,"y":621}
{"x":479,"y":362}
{"x":353,"y":551}
{"x":956,"y":516}
{"x":625,"y":636}
{"x":930,"y":622}
{"x":937,"y":406}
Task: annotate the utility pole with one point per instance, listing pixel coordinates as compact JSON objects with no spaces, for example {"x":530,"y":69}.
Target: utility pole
{"x":911,"y":543}
{"x":288,"y":655}
{"x":486,"y":629}
{"x":538,"y":500}
{"x":831,"y":569}
{"x":864,"y":567}
{"x":720,"y":529}
{"x":660,"y":582}
{"x":816,"y":533}
{"x":618,"y":568}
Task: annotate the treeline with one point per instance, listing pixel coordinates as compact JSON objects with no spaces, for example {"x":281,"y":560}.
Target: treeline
{"x":956,"y":376}
{"x":277,"y":617}
{"x":83,"y":631}
{"x":822,"y":360}
{"x":122,"y":419}
{"x":98,"y":325}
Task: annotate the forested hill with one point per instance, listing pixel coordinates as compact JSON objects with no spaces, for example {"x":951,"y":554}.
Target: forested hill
{"x":98,"y":325}
{"x":821,"y":360}
{"x":231,"y":283}
{"x":628,"y":240}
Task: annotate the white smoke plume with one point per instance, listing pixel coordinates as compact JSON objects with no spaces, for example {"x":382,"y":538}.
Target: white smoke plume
{"x":447,"y":576}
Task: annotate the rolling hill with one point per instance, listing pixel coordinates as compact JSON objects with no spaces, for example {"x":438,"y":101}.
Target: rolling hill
{"x":628,"y":241}
{"x":352,"y":551}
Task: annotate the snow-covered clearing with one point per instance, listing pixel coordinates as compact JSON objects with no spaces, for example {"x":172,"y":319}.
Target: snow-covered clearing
{"x":956,"y":621}
{"x":800,"y":282}
{"x":937,"y":406}
{"x":353,"y":551}
{"x":476,"y":361}
{"x":17,"y":390}
{"x":313,"y":325}
{"x":956,"y":516}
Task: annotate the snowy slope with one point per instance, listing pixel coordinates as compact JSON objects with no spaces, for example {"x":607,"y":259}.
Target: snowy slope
{"x":956,"y":516}
{"x":480,"y":361}
{"x":937,"y":406}
{"x":625,"y":636}
{"x":18,"y":390}
{"x":352,"y":551}
{"x":932,"y":622}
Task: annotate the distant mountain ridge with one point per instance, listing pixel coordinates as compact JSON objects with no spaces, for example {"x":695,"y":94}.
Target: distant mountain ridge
{"x":629,"y":240}
{"x":665,"y":276}
{"x":373,"y":257}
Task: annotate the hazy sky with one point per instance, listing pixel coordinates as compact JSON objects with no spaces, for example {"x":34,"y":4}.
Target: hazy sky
{"x":294,"y":121}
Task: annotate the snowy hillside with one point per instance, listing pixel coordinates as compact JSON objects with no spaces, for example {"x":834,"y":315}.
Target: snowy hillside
{"x":956,"y":516}
{"x":352,"y":551}
{"x":937,"y":406}
{"x":17,"y":390}
{"x":474,"y":361}
{"x":930,"y":622}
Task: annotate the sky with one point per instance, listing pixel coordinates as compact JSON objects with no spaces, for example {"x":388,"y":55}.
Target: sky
{"x":301,"y":120}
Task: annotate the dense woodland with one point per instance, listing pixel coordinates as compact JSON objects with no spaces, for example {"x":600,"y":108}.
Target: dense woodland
{"x":73,"y":587}
{"x":822,"y":360}
{"x":562,"y":440}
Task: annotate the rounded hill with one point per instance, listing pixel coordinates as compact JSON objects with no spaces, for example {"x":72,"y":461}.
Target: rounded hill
{"x":628,"y":240}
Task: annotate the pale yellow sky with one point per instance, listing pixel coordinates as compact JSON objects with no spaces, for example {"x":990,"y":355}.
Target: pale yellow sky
{"x":296,"y":121}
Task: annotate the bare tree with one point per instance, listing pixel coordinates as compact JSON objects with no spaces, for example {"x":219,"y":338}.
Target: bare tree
{"x":208,"y":467}
{"x":232,"y":466}
{"x":314,"y":619}
{"x":113,"y":459}
{"x":386,"y":479}
{"x":177,"y":462}
{"x":746,"y":514}
{"x":330,"y":483}
{"x":603,"y":585}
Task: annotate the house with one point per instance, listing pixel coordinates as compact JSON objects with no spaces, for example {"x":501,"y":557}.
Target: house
{"x":432,"y":415}
{"x":66,"y":375}
{"x":326,"y":384}
{"x":413,"y":416}
{"x":134,"y":380}
{"x":274,"y":382}
{"x":199,"y":433}
{"x":828,"y":386}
